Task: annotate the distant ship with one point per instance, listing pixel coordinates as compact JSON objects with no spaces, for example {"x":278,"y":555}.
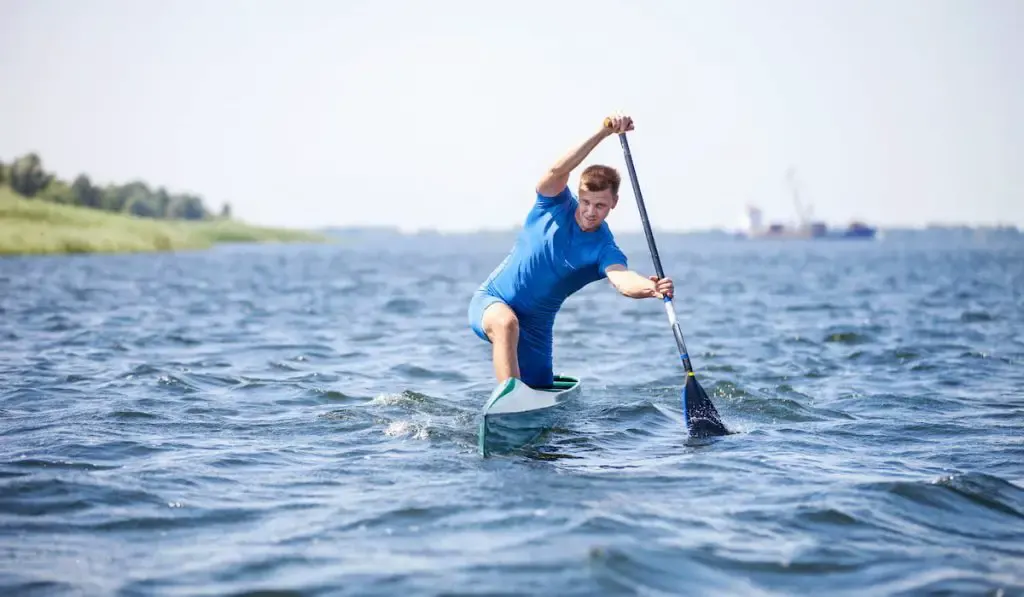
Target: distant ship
{"x":806,"y":228}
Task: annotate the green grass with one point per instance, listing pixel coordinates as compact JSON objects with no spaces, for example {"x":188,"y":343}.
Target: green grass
{"x":29,"y":226}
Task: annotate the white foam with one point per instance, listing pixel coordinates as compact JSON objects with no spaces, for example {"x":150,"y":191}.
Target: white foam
{"x":413,"y":430}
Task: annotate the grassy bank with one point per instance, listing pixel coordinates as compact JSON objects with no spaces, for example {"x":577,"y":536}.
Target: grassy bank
{"x":39,"y":227}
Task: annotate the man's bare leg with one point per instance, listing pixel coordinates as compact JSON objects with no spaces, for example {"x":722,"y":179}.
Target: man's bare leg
{"x":502,"y":327}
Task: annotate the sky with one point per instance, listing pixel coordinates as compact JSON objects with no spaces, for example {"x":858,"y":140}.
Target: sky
{"x":443,"y":115}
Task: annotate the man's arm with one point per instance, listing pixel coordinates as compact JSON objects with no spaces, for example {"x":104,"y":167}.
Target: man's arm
{"x":557,"y":177}
{"x":634,"y":285}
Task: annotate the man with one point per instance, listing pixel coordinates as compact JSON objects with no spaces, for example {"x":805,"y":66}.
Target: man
{"x":564,"y":245}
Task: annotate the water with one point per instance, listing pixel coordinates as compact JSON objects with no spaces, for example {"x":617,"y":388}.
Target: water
{"x":301,"y":420}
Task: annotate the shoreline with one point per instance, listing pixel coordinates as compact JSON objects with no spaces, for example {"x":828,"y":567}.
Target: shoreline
{"x":35,"y":227}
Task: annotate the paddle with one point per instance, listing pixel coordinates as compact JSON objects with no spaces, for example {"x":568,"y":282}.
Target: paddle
{"x":700,"y":414}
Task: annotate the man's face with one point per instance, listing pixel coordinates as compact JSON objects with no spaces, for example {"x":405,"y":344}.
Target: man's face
{"x":594,"y":208}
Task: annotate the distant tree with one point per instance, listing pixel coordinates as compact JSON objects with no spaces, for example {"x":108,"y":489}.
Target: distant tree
{"x":186,"y":207}
{"x":145,"y":206}
{"x":3,"y":173}
{"x":135,"y":199}
{"x":27,"y":175}
{"x":225,"y":211}
{"x":85,"y":193}
{"x":57,"y":191}
{"x":163,"y":202}
{"x":111,"y":198}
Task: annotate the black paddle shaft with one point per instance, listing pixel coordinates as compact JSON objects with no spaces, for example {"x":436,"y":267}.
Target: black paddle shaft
{"x":676,"y":330}
{"x":640,"y":204}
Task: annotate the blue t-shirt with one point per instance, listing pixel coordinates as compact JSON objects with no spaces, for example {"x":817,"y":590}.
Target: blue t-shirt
{"x":552,"y":258}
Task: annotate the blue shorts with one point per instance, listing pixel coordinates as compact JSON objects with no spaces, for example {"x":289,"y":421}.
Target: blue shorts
{"x":535,"y":341}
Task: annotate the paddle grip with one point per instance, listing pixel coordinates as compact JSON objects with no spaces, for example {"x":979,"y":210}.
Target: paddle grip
{"x":607,"y":123}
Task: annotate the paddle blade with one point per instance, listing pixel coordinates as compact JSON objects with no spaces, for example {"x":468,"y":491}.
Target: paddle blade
{"x":701,"y":416}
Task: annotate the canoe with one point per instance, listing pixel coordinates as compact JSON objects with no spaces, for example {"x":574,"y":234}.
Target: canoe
{"x":517,"y":414}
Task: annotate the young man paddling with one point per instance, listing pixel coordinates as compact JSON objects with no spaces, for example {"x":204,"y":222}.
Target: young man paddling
{"x":564,"y":245}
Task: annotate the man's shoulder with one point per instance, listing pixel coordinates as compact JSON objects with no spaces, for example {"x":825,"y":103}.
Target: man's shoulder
{"x":565,"y":196}
{"x":549,"y":207}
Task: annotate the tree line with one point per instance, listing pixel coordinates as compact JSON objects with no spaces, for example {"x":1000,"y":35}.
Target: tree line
{"x":27,"y":177}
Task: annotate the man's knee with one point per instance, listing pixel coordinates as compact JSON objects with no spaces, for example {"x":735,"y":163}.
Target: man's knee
{"x":500,"y":321}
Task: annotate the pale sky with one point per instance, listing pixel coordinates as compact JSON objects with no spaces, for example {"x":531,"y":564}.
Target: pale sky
{"x":444,"y":114}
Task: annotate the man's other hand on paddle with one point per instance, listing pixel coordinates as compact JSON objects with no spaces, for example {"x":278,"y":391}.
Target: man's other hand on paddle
{"x":662,"y":287}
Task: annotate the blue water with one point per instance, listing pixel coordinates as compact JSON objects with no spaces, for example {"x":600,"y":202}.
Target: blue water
{"x":301,"y":420}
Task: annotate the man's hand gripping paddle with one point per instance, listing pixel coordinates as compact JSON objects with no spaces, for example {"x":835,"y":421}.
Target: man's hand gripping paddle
{"x":701,"y":417}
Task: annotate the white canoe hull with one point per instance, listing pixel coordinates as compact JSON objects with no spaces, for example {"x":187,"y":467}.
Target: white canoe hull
{"x":517,"y":414}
